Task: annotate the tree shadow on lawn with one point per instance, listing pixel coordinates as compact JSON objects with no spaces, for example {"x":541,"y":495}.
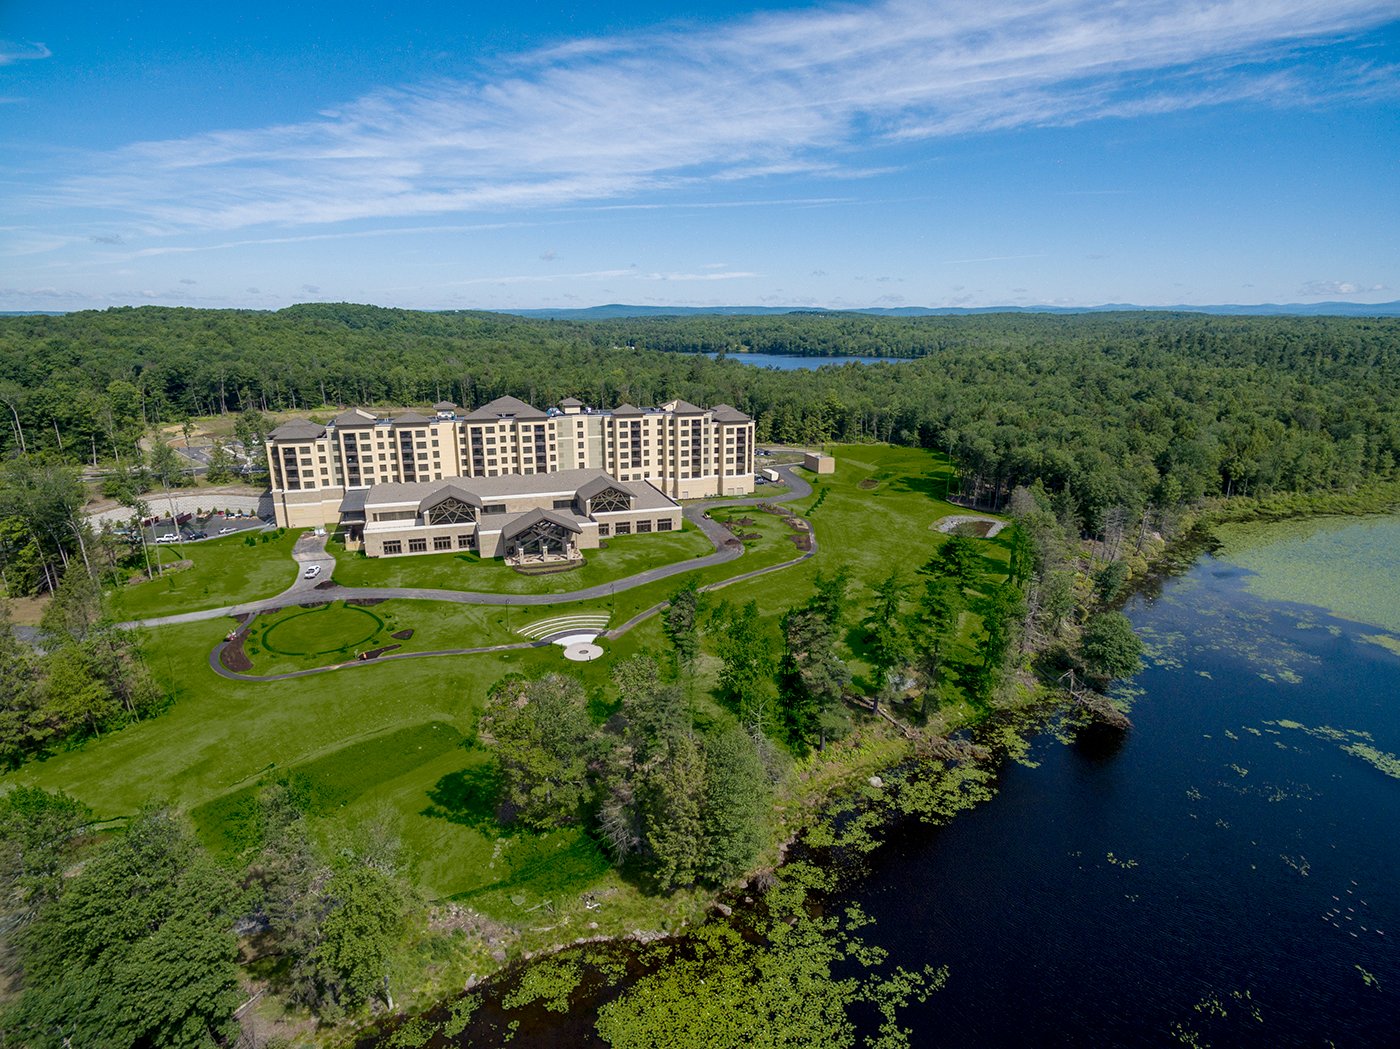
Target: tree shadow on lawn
{"x":469,"y":797}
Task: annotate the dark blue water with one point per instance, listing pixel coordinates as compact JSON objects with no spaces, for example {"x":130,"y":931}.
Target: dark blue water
{"x":790,"y":363}
{"x":1211,"y":878}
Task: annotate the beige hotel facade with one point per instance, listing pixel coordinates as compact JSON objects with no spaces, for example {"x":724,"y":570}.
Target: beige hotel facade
{"x":320,"y":473}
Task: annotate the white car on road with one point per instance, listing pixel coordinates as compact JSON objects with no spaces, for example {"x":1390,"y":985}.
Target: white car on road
{"x":169,"y":537}
{"x":226,"y":530}
{"x":312,"y":571}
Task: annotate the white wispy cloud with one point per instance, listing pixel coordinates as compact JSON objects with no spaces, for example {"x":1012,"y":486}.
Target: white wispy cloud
{"x":796,"y":92}
{"x":1319,"y":288}
{"x":21,"y":51}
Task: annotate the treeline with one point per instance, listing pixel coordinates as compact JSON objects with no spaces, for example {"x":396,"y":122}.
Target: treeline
{"x":1129,"y":410}
{"x":87,"y":678}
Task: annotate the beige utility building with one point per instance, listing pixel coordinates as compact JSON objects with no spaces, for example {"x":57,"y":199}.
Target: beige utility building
{"x":679,"y":449}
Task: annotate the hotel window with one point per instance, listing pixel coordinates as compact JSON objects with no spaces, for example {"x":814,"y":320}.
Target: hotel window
{"x":604,"y":529}
{"x":464,"y":542}
{"x":442,"y":542}
{"x":663,"y":525}
{"x":393,"y":546}
{"x":418,"y":546}
{"x":643,"y":526}
{"x":624,"y":528}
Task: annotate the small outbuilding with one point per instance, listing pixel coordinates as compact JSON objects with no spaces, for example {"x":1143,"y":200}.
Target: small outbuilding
{"x":819,"y":462}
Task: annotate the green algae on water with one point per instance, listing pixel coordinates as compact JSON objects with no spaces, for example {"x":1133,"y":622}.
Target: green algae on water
{"x":1347,"y":565}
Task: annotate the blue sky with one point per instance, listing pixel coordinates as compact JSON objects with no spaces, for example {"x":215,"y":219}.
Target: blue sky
{"x":1066,"y":152}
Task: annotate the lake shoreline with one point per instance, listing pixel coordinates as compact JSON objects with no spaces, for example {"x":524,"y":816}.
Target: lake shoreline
{"x":1009,"y":727}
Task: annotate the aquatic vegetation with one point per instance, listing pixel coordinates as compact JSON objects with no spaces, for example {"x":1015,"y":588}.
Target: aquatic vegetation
{"x":1240,"y":770}
{"x":1387,"y":763}
{"x":549,"y":982}
{"x":1385,"y":641}
{"x":1118,"y":861}
{"x":1345,"y":565}
{"x":1368,"y":978}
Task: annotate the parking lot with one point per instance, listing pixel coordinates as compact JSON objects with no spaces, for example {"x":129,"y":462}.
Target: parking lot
{"x":197,"y":529}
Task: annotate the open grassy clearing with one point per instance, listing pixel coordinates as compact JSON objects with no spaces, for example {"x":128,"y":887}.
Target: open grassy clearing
{"x":398,"y":736}
{"x":464,"y":570}
{"x":225,"y":571}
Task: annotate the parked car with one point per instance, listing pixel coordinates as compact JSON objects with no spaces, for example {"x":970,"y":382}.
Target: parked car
{"x":312,"y":571}
{"x":226,"y":530}
{"x":196,"y":535}
{"x":169,"y":537}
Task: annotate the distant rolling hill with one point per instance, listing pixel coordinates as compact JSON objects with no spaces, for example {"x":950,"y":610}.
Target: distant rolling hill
{"x":615,"y":311}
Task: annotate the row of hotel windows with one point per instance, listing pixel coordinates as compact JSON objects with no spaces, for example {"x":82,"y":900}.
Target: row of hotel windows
{"x":419,"y":545}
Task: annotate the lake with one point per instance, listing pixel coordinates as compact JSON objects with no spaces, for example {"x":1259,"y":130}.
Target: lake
{"x":1223,"y":874}
{"x":785,"y":362}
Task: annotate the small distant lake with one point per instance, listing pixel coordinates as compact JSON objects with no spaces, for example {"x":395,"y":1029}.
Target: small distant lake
{"x":786,"y":362}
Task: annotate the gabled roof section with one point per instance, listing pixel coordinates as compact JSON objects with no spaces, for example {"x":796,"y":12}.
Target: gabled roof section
{"x":534,"y":517}
{"x":354,"y":417}
{"x":298,"y":430}
{"x":725,"y":413}
{"x":571,"y":402}
{"x":627,"y":409}
{"x":505,"y":407}
{"x":589,"y":489}
{"x":680,"y":407}
{"x":444,"y":406}
{"x":411,"y":419}
{"x":449,"y":491}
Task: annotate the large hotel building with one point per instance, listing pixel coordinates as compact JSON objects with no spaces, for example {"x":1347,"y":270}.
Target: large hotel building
{"x":327,"y":475}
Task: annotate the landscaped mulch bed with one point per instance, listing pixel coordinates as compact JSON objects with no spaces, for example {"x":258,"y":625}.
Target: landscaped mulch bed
{"x":402,"y":635}
{"x":563,"y":566}
{"x":868,"y":484}
{"x":316,"y":604}
{"x":366,"y":602}
{"x":375,"y":653}
{"x":802,"y":540}
{"x":325,"y":584}
{"x":234,"y":658}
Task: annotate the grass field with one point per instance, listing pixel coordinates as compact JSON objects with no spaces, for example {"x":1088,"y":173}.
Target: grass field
{"x":399,"y":736}
{"x":624,"y":556}
{"x":225,"y":571}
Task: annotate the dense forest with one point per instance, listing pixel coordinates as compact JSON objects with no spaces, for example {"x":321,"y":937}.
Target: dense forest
{"x":1123,"y":410}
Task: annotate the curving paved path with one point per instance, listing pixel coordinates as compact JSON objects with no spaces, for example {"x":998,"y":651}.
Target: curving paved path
{"x":716,"y":532}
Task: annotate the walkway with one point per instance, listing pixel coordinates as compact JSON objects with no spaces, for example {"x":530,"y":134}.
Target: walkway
{"x":716,"y":532}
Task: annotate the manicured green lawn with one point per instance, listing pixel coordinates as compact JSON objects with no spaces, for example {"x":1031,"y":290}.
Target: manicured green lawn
{"x":399,"y":736}
{"x":298,"y":638}
{"x":625,"y":556}
{"x":226,"y":571}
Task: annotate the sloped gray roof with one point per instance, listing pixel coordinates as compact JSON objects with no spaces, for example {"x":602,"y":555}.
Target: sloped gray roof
{"x":627,"y":409}
{"x":411,"y":419}
{"x":680,"y":407}
{"x":444,"y":406}
{"x":589,"y":489}
{"x":505,"y":406}
{"x":532,"y":517}
{"x":354,"y":417}
{"x":298,"y":430}
{"x":571,"y":402}
{"x":725,"y":413}
{"x":449,"y":491}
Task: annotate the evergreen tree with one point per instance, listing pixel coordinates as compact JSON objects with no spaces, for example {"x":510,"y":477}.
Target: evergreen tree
{"x":681,"y":621}
{"x":812,"y":678}
{"x":737,"y":799}
{"x":746,"y":657}
{"x":673,"y":794}
{"x":957,"y":559}
{"x":885,"y":634}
